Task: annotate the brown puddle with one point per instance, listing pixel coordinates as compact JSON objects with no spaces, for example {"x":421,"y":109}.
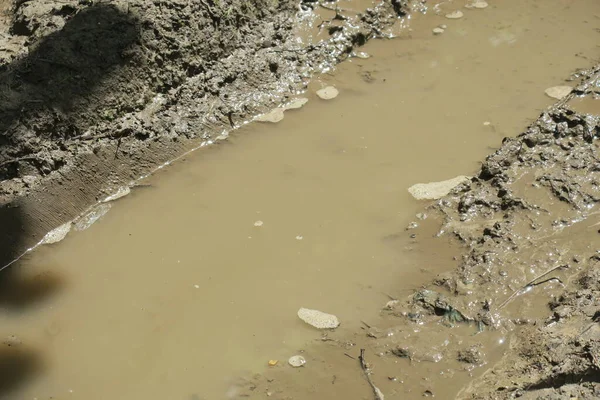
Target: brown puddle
{"x":585,"y":105}
{"x":185,"y":286}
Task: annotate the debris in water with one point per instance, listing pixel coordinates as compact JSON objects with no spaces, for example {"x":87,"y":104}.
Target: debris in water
{"x":12,"y":340}
{"x":487,"y":123}
{"x":328,"y":93}
{"x":299,"y":237}
{"x":197,"y":286}
{"x":296,"y":103}
{"x":362,"y":54}
{"x":297,"y":361}
{"x":438,"y":31}
{"x":258,"y":223}
{"x":57,"y":234}
{"x":480,"y":4}
{"x":121,"y":192}
{"x":273,"y":363}
{"x":558,"y":92}
{"x":365,"y":367}
{"x":318,"y":319}
{"x":94,"y":215}
{"x":455,"y":14}
{"x":391,"y":304}
{"x":275,"y":115}
{"x":435,"y":190}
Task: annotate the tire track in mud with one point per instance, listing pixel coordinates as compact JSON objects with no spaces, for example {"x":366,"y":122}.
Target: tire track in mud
{"x":79,"y":125}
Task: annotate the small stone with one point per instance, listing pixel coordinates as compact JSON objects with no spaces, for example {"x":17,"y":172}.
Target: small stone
{"x":297,"y":361}
{"x":444,"y":26}
{"x":438,"y":31}
{"x":258,"y":223}
{"x":558,"y":92}
{"x":57,"y":234}
{"x":272,"y":363}
{"x":273,"y":116}
{"x":435,"y":190}
{"x":421,"y":216}
{"x":328,"y":93}
{"x":318,"y":319}
{"x":296,"y":103}
{"x":455,"y":15}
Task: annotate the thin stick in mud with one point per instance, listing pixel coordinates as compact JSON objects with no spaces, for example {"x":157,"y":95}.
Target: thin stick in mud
{"x":363,"y":365}
{"x":530,"y":283}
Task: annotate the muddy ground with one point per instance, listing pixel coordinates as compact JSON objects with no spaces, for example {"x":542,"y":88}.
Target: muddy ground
{"x":519,"y":316}
{"x":96,"y":94}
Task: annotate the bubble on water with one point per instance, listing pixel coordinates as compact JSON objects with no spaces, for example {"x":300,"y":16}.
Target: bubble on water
{"x":91,"y":217}
{"x":272,"y":116}
{"x":296,"y":103}
{"x":297,"y":361}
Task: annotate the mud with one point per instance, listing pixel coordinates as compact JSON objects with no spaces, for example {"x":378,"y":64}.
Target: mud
{"x":528,"y":276}
{"x":97,"y":94}
{"x":517,"y":317}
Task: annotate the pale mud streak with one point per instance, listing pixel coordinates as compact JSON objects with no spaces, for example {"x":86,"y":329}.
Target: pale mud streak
{"x":178,"y":293}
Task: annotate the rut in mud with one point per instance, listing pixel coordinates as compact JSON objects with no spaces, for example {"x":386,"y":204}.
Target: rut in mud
{"x":199,"y":272}
{"x":99,"y":93}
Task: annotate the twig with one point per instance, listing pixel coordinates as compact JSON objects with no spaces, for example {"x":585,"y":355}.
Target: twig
{"x":365,"y":368}
{"x":16,"y":160}
{"x":389,"y":296}
{"x":349,"y":356}
{"x":530,"y":283}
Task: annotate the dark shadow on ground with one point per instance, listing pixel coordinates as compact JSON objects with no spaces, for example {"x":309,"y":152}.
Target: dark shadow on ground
{"x":17,"y":364}
{"x":12,"y":234}
{"x":59,"y":76}
{"x":19,"y":291}
{"x":38,"y":93}
{"x":44,"y":91}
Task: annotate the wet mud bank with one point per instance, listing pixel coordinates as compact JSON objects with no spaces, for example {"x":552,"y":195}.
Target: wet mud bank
{"x":98,"y":94}
{"x":530,"y":223}
{"x":519,"y":315}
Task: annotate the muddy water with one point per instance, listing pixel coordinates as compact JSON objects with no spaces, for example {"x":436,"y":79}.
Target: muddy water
{"x":195,"y":280}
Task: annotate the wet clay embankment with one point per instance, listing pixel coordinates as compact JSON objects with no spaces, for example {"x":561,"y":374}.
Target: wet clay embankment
{"x":99,"y":94}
